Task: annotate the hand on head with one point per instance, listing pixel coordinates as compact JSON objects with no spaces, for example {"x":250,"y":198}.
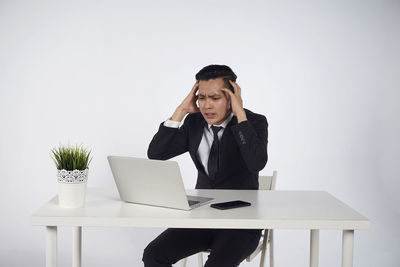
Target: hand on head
{"x":188,"y":104}
{"x":236,"y":101}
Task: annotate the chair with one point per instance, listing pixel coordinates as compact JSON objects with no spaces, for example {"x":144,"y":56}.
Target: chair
{"x":267,"y":236}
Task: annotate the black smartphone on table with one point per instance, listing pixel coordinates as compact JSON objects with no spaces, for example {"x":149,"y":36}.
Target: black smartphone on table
{"x":230,"y":205}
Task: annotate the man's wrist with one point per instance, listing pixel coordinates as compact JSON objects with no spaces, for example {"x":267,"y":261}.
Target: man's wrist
{"x":178,"y":115}
{"x":241,"y":116}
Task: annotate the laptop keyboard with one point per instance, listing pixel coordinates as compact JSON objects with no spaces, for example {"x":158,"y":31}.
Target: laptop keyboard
{"x":193,"y":202}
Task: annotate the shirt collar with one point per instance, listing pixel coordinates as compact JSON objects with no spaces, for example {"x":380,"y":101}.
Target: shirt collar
{"x":224,"y":124}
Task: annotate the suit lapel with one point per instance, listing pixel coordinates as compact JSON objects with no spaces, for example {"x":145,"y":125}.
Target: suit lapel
{"x":227,"y":132}
{"x":197,"y":136}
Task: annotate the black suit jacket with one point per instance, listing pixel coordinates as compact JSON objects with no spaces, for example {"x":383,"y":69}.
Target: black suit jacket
{"x":243,"y":150}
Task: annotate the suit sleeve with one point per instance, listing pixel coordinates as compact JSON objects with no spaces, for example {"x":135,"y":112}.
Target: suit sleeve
{"x":252,"y":139}
{"x":168,"y":142}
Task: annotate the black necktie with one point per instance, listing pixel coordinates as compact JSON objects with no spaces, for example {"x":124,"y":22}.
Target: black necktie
{"x":214,"y":154}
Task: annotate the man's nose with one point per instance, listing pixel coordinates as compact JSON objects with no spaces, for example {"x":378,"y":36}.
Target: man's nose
{"x":208,"y":103}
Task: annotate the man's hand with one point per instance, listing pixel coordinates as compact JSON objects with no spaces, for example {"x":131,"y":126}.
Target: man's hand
{"x":188,"y":105}
{"x":236,"y":101}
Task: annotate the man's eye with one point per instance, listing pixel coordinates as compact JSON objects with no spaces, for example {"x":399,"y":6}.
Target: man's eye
{"x":215,"y":98}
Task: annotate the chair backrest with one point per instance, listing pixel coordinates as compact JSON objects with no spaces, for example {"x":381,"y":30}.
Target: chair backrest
{"x":267,"y":182}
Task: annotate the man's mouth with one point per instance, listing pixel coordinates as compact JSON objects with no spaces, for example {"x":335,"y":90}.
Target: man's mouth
{"x":210,"y":115}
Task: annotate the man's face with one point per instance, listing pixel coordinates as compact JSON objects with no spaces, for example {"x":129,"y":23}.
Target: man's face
{"x":213,"y":103}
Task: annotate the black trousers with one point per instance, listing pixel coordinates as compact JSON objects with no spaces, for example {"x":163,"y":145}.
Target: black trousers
{"x":229,"y":247}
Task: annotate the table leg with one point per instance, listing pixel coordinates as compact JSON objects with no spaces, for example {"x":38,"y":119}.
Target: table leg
{"x":314,"y":248}
{"x":51,"y":246}
{"x":77,"y":247}
{"x":347,"y":248}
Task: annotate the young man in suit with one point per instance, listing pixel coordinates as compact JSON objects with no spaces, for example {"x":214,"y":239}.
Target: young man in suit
{"x":228,"y":145}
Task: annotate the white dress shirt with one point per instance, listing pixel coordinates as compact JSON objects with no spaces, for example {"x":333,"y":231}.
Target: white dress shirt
{"x":203,"y":151}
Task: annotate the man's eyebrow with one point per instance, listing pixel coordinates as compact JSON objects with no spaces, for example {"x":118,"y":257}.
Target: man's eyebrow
{"x":213,"y":95}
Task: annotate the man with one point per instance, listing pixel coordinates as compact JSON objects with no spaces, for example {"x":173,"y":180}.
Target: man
{"x":228,"y":145}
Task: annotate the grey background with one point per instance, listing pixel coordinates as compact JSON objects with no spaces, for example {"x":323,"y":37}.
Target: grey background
{"x":106,"y":73}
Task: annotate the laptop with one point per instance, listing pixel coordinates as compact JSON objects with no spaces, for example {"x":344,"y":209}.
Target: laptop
{"x":152,"y":182}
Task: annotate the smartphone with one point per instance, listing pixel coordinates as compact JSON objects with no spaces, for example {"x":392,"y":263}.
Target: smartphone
{"x":230,"y":205}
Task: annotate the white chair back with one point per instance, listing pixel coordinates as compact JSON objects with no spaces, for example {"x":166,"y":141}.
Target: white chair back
{"x":267,"y":182}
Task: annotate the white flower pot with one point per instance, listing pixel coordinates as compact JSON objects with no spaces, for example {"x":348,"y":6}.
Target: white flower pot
{"x":72,"y":188}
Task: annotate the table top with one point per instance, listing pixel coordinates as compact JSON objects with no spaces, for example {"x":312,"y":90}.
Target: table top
{"x":268,"y":210}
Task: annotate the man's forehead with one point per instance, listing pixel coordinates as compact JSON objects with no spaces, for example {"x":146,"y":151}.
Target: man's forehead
{"x":210,"y":92}
{"x":210,"y":87}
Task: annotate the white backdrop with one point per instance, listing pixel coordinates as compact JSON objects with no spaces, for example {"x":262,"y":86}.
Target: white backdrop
{"x":106,"y":73}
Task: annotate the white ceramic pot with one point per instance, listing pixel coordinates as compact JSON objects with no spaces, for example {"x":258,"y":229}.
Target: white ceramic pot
{"x":72,"y":188}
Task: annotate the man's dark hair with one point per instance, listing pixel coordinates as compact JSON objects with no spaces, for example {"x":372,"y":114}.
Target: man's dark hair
{"x":217,"y":71}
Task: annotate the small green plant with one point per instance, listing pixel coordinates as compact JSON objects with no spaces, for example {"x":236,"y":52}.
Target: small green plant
{"x":71,"y":158}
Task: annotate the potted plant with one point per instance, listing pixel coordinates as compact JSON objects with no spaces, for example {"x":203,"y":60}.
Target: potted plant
{"x":72,"y":172}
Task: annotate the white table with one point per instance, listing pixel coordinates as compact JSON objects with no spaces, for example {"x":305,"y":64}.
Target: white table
{"x":314,"y":210}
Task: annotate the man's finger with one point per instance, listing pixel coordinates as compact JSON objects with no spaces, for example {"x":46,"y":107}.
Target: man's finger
{"x":229,"y":92}
{"x":239,"y":89}
{"x":236,"y":87}
{"x":195,"y":87}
